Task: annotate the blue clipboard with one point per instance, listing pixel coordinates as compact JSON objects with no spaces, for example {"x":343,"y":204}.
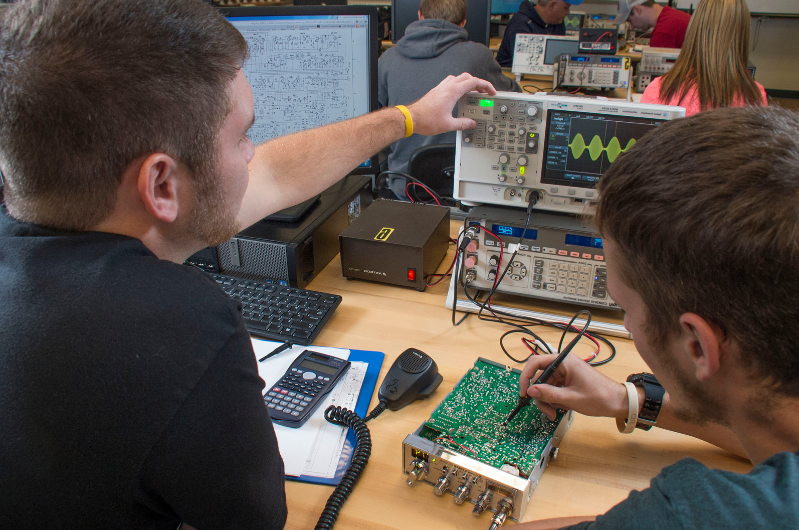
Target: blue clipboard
{"x":375,"y":361}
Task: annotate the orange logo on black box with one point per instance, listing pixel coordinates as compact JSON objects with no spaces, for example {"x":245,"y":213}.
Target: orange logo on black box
{"x":383,"y":234}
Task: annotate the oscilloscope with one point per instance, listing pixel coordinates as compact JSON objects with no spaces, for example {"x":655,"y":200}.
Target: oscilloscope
{"x":535,"y":54}
{"x":556,"y":147}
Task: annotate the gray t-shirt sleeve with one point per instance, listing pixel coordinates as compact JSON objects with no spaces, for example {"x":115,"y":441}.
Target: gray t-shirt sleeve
{"x":689,"y":495}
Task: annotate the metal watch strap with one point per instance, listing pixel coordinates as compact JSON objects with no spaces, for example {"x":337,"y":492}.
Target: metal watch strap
{"x":653,"y":399}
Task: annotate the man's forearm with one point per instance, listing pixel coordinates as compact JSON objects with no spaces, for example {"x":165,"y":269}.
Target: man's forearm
{"x":288,"y":170}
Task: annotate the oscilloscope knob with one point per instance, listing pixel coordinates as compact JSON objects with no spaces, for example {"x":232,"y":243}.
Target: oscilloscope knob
{"x":504,"y":158}
{"x":502,"y":178}
{"x":520,"y":180}
{"x":531,"y":143}
{"x":522,"y":161}
{"x":503,"y":109}
{"x":521,"y":131}
{"x":532,"y":111}
{"x":492,"y":129}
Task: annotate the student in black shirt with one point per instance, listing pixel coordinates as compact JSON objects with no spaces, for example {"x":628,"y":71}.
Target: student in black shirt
{"x":128,"y":385}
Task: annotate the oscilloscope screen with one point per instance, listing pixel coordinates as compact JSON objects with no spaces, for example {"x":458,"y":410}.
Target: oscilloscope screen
{"x":581,"y":146}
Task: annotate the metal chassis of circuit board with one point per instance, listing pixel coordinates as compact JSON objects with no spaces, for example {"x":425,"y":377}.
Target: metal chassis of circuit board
{"x":469,"y":479}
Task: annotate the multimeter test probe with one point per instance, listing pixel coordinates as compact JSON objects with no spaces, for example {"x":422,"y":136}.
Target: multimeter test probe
{"x":550,"y":370}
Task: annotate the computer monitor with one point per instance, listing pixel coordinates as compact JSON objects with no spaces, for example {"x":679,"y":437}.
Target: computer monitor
{"x":478,"y":18}
{"x":505,"y":7}
{"x":309,"y":66}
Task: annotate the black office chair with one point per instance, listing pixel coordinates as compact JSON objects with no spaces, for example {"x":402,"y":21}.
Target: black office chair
{"x":434,"y":165}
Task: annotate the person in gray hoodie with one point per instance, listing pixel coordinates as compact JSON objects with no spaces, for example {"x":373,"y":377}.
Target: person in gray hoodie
{"x":433,"y":48}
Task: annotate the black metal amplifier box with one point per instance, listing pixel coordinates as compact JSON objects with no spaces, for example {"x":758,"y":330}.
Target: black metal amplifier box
{"x":395,"y":242}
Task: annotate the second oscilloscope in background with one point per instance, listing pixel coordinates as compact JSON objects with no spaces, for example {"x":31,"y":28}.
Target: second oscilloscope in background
{"x":555,"y":147}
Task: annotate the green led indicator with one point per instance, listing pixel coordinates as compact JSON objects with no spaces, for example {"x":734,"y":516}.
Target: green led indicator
{"x":486,"y":102}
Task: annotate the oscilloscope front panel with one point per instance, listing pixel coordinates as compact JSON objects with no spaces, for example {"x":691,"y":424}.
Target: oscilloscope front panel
{"x":556,"y":147}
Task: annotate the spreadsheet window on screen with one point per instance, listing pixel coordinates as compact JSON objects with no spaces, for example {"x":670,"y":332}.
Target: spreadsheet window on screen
{"x":305,"y":71}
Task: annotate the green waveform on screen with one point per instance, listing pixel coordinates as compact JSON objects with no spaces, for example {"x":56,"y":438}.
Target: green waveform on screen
{"x":571,"y":22}
{"x":595,"y":148}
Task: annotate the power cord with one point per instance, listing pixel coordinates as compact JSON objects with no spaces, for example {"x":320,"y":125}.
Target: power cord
{"x":414,"y":181}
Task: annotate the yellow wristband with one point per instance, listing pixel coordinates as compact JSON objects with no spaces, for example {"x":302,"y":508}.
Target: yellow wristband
{"x":408,"y":120}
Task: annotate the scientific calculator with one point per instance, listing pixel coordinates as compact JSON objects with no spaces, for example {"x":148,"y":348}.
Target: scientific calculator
{"x":295,"y":396}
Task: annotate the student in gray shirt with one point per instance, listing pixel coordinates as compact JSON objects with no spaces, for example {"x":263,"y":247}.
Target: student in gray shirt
{"x":433,"y":47}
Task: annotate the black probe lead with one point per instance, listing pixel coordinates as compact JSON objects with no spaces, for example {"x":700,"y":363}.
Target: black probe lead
{"x":553,"y":367}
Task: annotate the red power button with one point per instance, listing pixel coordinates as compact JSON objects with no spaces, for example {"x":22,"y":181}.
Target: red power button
{"x":411,"y":275}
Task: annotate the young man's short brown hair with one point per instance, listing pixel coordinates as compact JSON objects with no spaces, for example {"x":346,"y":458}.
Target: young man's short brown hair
{"x":450,"y":10}
{"x":89,"y":86}
{"x":704,"y":213}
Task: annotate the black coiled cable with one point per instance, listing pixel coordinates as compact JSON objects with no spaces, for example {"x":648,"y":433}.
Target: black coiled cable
{"x":363,"y":449}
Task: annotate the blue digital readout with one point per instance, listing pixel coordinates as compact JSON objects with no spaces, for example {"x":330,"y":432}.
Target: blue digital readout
{"x":578,"y":59}
{"x":610,"y":60}
{"x":514,"y":231}
{"x":583,"y":241}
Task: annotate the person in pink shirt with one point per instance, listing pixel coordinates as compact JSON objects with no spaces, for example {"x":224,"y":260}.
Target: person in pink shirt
{"x":711,"y":70}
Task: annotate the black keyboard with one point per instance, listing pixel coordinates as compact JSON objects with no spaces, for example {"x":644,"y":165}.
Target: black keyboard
{"x":278,"y":312}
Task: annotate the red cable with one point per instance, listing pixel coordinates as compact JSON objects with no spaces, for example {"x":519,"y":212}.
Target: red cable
{"x":423,"y":186}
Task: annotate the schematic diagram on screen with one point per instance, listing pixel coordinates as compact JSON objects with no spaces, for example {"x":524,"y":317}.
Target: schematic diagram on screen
{"x":303,"y":78}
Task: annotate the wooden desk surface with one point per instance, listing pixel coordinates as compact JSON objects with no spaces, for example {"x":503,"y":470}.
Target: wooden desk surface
{"x":596,"y":468}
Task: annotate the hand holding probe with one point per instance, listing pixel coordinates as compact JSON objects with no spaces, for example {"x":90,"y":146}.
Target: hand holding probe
{"x":550,"y":370}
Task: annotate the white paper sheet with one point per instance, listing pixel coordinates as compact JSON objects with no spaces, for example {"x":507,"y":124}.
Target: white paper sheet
{"x":326,"y":451}
{"x":295,"y":444}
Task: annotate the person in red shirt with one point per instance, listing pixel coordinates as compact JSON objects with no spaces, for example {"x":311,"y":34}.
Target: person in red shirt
{"x":698,"y":81}
{"x":669,"y":25}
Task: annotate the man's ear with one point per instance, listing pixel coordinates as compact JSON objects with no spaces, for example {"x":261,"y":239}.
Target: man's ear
{"x":703,"y":344}
{"x":158,"y":184}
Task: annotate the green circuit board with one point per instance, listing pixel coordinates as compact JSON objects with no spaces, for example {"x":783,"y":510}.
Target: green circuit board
{"x":469,"y":420}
